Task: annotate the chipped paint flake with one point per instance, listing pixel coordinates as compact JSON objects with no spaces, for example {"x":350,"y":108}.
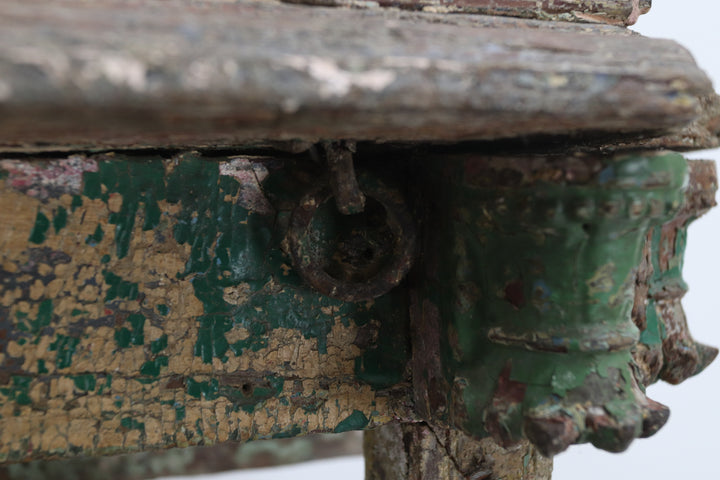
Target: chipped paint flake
{"x":43,"y":179}
{"x":250,"y":175}
{"x":117,"y":346}
{"x":337,"y":82}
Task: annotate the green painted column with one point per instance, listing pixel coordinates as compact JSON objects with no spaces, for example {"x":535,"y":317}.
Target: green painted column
{"x":530,"y":298}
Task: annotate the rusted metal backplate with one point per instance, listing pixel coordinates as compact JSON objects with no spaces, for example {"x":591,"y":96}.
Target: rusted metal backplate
{"x":111,"y":73}
{"x":622,"y":12}
{"x":146,"y":302}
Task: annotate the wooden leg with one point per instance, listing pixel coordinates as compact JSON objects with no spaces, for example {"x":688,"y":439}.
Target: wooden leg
{"x":420,"y":451}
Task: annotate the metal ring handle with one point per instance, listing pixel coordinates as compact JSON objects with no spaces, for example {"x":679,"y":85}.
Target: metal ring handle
{"x":306,"y":257}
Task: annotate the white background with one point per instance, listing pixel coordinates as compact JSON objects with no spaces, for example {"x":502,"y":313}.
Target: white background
{"x":688,"y":447}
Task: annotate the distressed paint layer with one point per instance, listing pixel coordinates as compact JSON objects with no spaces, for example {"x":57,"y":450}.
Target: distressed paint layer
{"x":617,"y":12}
{"x":157,"y":309}
{"x":666,"y":350}
{"x":526,"y":319}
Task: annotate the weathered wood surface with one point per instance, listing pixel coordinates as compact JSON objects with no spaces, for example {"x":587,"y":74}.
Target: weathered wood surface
{"x":703,"y":133}
{"x":190,"y":460}
{"x":146,"y":303}
{"x":149,"y":302}
{"x":667,"y":350}
{"x":110,"y":73}
{"x":423,"y":451}
{"x":619,"y":12}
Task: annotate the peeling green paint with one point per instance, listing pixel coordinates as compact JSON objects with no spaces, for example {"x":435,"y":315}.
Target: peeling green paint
{"x":19,"y":391}
{"x":106,"y":386}
{"x":274,"y":388}
{"x":137,"y":322}
{"x":666,"y":338}
{"x":159,"y":344}
{"x":211,"y":337}
{"x":247,"y":396}
{"x":654,"y":332}
{"x":179,"y":412}
{"x":132,"y":424}
{"x":77,"y":201}
{"x":382,"y":364}
{"x":41,"y":321}
{"x":60,"y":219}
{"x":84,"y":383}
{"x":39,"y":231}
{"x":292,"y":431}
{"x":355,"y":421}
{"x":96,"y":237}
{"x":119,"y":288}
{"x":152,"y":368}
{"x":238,"y":271}
{"x":41,"y":367}
{"x":229,"y":246}
{"x":139,"y":182}
{"x":208,"y":390}
{"x":536,"y":291}
{"x":124,"y":337}
{"x":65,"y":348}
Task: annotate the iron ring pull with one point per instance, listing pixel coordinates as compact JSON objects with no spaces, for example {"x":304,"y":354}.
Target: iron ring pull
{"x":311,"y":260}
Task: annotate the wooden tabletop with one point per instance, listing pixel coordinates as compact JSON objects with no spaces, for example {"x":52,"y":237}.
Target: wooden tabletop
{"x":119,"y":74}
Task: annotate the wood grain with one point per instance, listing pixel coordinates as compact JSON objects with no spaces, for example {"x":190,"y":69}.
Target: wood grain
{"x":112,"y":73}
